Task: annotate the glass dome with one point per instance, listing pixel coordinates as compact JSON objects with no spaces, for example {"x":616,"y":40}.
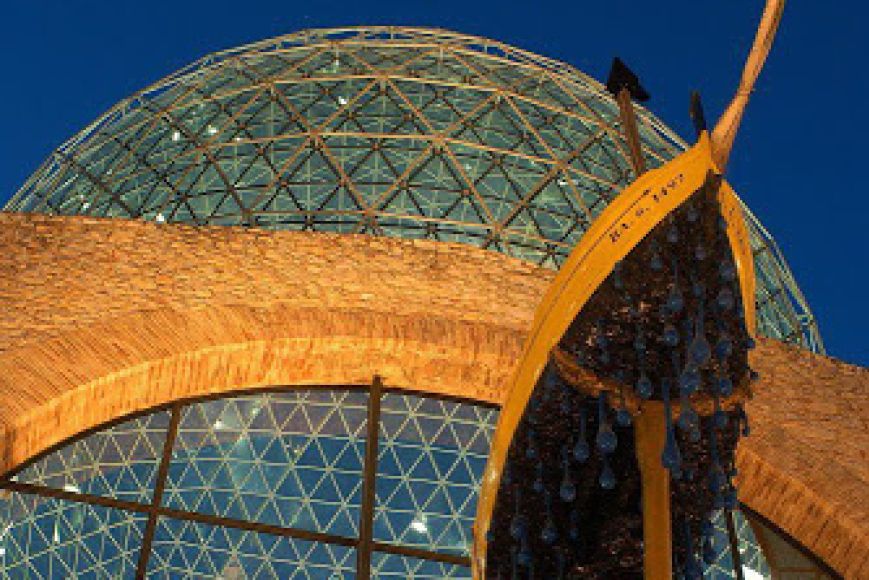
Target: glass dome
{"x":391,"y":131}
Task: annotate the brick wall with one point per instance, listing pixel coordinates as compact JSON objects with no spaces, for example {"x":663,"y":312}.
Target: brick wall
{"x":58,"y":273}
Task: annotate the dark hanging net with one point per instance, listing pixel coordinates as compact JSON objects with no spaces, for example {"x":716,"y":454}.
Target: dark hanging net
{"x":666,"y":325}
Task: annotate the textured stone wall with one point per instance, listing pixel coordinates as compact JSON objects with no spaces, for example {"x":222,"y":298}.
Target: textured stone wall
{"x":102,"y":318}
{"x":805,"y":465}
{"x":59,"y":273}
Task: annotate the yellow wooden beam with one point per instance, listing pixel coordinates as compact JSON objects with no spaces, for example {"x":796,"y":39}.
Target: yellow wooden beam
{"x":650,"y":435}
{"x":740,"y":246}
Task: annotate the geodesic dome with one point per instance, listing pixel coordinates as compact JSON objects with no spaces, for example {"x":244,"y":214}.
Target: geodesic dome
{"x":394,"y":131}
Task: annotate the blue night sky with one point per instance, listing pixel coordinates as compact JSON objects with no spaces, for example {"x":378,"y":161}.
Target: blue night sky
{"x":799,"y":162}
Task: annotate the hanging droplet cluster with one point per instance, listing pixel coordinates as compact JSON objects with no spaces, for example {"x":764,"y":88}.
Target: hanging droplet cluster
{"x":669,"y":323}
{"x":666,"y":325}
{"x":560,"y":507}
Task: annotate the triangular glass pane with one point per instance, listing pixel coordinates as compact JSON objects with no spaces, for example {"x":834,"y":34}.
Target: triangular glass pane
{"x":265,"y":474}
{"x":419,"y":469}
{"x":382,"y":110}
{"x":119,"y":462}
{"x":52,"y":538}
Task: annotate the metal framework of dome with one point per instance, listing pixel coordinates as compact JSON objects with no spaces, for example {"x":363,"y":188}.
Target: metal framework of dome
{"x":406,"y":132}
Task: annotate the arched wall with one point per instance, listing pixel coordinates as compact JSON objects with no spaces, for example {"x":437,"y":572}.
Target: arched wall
{"x":103,"y":318}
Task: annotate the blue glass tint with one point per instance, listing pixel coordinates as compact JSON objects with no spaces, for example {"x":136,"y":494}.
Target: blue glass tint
{"x":50,"y":538}
{"x":721,"y":568}
{"x":184,"y":549}
{"x":291,"y":459}
{"x":749,"y":548}
{"x":119,"y":462}
{"x":432,"y":454}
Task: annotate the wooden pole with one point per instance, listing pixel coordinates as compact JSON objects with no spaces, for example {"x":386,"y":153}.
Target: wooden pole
{"x":650,"y":436}
{"x":650,"y":430}
{"x":629,"y":126}
{"x":725,"y":130}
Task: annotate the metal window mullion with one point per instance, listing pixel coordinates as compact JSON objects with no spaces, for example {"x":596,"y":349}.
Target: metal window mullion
{"x":207,"y":519}
{"x":422,"y":554}
{"x":365,"y":543}
{"x":735,"y":556}
{"x":159,"y":486}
